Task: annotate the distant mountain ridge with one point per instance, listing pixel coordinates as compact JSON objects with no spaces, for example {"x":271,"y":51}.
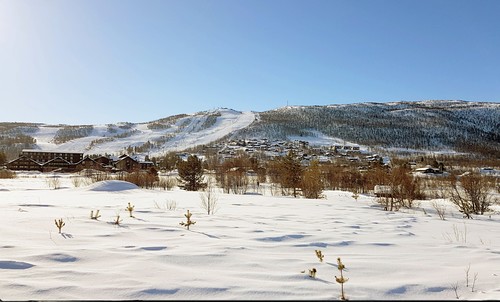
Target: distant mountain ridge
{"x":428,"y":125}
{"x":424,"y":125}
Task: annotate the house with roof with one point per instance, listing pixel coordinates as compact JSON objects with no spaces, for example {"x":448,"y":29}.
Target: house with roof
{"x":44,"y":156}
{"x":127,"y":163}
{"x":429,"y":170}
{"x":48,"y":161}
{"x":57,"y":164}
{"x":88,"y":163}
{"x":24,"y":163}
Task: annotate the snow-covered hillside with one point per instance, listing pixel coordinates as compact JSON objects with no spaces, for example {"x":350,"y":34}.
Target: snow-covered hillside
{"x":427,"y":125}
{"x":156,"y":137}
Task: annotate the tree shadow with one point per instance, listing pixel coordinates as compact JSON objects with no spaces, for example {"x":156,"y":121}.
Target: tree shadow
{"x":66,"y":235}
{"x":208,"y":235}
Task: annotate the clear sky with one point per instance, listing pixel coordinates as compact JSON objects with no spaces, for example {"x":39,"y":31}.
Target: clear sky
{"x":106,"y":61}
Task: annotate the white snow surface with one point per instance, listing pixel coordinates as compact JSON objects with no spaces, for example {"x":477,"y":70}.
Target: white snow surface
{"x":112,"y":186}
{"x":255,"y":247}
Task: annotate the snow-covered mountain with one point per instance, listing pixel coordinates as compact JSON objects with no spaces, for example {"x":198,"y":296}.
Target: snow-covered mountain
{"x":425,"y":125}
{"x":173,"y":133}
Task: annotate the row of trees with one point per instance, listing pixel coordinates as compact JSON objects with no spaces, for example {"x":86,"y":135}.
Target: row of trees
{"x":471,"y":192}
{"x":232,"y":175}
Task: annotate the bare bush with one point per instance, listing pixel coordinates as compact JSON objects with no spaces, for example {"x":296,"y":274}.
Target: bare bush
{"x":209,"y":199}
{"x":53,"y":182}
{"x":76,"y":181}
{"x":140,"y":178}
{"x":169,"y":205}
{"x":440,"y":209}
{"x":458,"y":236}
{"x":454,"y":286}
{"x":471,"y":194}
{"x":4,"y":174}
{"x":312,"y":184}
{"x":95,"y":176}
{"x":234,"y":181}
{"x":167,"y":183}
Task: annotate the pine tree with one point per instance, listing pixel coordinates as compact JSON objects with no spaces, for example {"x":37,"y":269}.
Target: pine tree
{"x":191,"y":173}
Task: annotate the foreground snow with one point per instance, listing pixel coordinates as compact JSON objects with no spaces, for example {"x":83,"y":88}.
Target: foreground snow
{"x":255,"y":246}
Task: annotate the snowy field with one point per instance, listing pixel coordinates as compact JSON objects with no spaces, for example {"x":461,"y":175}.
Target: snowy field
{"x":255,"y":247}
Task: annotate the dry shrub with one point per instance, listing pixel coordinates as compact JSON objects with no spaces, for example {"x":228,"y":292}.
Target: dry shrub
{"x":53,"y":182}
{"x":471,"y":193}
{"x":4,"y":174}
{"x":93,"y":176}
{"x":440,"y":209}
{"x":76,"y":181}
{"x":167,"y":183}
{"x":312,"y":184}
{"x":140,"y":178}
{"x":209,"y":199}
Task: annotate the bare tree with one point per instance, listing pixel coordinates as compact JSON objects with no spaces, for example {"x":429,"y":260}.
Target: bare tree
{"x":312,"y":184}
{"x":291,"y":172}
{"x":471,"y":194}
{"x":209,"y":199}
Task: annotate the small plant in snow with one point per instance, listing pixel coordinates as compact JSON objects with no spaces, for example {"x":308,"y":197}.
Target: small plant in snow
{"x":467,"y":276}
{"x":320,"y":255}
{"x":355,"y":195}
{"x":59,"y":224}
{"x":454,"y":286}
{"x":189,"y":221}
{"x":117,"y":220}
{"x":341,"y":279}
{"x":94,"y":216}
{"x":130,"y":209}
{"x":440,"y":209}
{"x":171,"y":205}
{"x":458,"y":236}
{"x":474,"y":282}
{"x":76,"y":181}
{"x":312,"y":272}
{"x":54,"y":182}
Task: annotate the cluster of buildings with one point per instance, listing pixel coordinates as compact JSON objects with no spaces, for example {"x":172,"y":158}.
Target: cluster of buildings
{"x":56,"y":161}
{"x":280,"y":148}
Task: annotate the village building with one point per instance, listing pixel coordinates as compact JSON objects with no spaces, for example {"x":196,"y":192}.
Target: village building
{"x":45,"y":156}
{"x":88,"y":163}
{"x":49,"y":161}
{"x":57,"y":164}
{"x":127,"y":163}
{"x":24,"y":163}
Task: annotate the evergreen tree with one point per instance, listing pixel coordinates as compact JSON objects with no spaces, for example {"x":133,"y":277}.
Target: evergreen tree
{"x":191,"y":173}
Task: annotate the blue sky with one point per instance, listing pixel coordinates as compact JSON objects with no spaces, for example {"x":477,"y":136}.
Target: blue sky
{"x":106,"y":61}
